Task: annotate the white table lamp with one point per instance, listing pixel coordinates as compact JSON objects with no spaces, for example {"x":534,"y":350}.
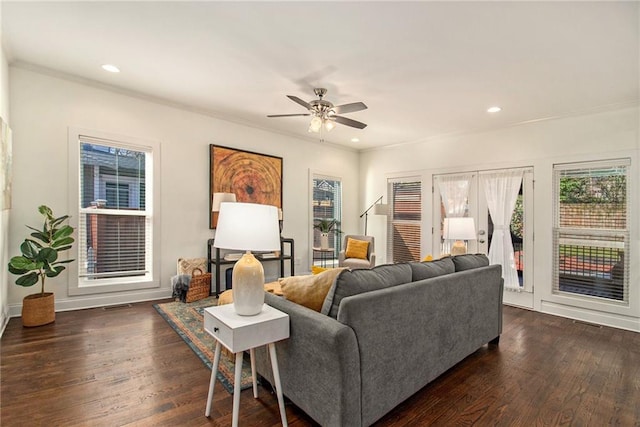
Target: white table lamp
{"x":247,"y":227}
{"x":460,"y":230}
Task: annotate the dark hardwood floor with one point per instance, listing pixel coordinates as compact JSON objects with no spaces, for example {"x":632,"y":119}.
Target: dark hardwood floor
{"x":126,"y":366}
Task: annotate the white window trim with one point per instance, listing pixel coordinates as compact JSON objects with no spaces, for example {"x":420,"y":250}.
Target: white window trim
{"x":153,"y":174}
{"x":576,"y":300}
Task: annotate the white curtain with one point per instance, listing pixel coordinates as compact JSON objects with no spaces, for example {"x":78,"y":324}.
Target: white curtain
{"x":454,"y":190}
{"x":501,"y":189}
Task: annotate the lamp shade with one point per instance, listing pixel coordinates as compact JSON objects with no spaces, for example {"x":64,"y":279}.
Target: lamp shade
{"x":247,"y":227}
{"x":459,"y":229}
{"x":381,"y":209}
{"x":219,"y":198}
{"x":315,"y":125}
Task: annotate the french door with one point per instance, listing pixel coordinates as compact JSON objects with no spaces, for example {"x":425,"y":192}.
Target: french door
{"x":477,"y":194}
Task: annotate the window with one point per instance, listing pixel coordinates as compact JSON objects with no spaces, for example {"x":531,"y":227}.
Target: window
{"x":404,"y":221}
{"x":115,"y":222}
{"x":327,"y":205}
{"x":591,"y":230}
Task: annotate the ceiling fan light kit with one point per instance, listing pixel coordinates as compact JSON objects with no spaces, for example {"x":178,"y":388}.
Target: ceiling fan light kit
{"x":324,"y":113}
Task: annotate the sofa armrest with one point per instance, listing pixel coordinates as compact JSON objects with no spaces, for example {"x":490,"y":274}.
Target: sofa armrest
{"x":341,"y":257}
{"x":319,"y":365}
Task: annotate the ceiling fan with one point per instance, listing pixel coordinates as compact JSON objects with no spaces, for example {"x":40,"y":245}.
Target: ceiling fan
{"x":325,"y":113}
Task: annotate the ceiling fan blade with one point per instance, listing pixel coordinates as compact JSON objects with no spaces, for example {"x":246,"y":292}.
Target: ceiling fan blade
{"x":349,"y":122}
{"x":288,"y":115}
{"x":349,"y":108}
{"x":297,"y":100}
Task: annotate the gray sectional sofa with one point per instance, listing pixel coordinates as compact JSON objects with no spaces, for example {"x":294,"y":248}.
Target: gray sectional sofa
{"x":383,"y":334}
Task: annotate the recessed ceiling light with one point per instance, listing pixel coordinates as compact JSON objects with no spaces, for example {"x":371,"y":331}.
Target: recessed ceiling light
{"x":355,"y":139}
{"x":494,"y":110}
{"x":111,"y":68}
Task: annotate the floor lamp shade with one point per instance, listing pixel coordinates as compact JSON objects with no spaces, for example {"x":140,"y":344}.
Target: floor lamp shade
{"x":219,"y":198}
{"x":459,"y":229}
{"x":381,"y":209}
{"x":216,"y":200}
{"x":247,"y":227}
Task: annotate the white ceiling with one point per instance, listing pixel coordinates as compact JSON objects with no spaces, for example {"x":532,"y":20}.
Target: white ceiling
{"x":423,"y":68}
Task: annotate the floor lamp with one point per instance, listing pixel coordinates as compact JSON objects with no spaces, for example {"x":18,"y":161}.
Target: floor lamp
{"x":378,"y":209}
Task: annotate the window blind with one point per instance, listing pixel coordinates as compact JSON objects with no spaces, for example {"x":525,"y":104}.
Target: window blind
{"x":404,"y":221}
{"x":591,"y":235}
{"x":114,"y":226}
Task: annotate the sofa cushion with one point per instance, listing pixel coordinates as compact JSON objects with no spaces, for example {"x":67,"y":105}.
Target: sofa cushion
{"x":353,"y":282}
{"x":309,"y":291}
{"x":427,"y":270}
{"x":356,"y":249}
{"x":469,"y":261}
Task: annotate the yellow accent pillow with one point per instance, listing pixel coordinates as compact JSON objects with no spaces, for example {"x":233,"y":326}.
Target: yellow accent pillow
{"x":309,"y":291}
{"x":226,"y":297}
{"x":317,"y":270}
{"x":427,"y":258}
{"x":356,"y":249}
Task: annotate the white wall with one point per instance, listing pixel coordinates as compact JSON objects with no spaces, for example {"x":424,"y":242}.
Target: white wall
{"x":44,"y":106}
{"x":4,"y":215}
{"x":603,"y":135}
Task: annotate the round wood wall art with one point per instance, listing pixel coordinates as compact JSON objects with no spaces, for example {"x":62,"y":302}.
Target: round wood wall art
{"x":252,"y":177}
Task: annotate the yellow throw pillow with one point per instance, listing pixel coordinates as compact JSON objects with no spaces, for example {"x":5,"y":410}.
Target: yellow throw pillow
{"x":427,"y":258}
{"x":227,"y":296}
{"x":317,"y":270}
{"x":356,"y":249}
{"x":309,"y":291}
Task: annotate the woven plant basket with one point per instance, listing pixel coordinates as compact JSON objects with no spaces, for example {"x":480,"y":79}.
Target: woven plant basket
{"x":38,"y":310}
{"x":199,"y":287}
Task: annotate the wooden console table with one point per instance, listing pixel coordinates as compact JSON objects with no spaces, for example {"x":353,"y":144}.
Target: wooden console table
{"x":216,"y":261}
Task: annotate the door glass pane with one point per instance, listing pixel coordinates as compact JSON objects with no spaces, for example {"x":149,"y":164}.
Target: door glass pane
{"x":327,"y":208}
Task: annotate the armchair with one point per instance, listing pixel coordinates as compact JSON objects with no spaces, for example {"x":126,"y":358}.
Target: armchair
{"x":370,"y":262}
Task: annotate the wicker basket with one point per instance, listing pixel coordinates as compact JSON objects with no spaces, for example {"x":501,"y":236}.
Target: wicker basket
{"x":199,"y":287}
{"x":38,"y":310}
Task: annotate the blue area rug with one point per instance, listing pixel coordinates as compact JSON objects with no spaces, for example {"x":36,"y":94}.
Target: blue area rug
{"x":187,"y":319}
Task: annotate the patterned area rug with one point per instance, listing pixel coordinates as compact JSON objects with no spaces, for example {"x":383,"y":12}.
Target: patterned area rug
{"x":188,"y":321}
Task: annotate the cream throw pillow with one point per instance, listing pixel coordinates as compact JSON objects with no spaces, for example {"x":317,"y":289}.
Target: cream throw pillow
{"x":187,"y":265}
{"x":356,"y":249}
{"x":309,"y":291}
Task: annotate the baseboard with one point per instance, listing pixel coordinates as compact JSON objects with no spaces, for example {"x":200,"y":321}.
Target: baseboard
{"x":591,"y":316}
{"x":92,"y":301}
{"x":518,"y":299}
{"x":4,"y":320}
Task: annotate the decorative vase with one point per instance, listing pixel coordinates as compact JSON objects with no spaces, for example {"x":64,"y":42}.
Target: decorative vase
{"x":38,"y":310}
{"x":248,"y":285}
{"x":324,"y":240}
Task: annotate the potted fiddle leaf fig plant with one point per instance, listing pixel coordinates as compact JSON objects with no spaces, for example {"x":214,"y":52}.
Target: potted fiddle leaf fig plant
{"x":325,"y":226}
{"x":39,"y":261}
